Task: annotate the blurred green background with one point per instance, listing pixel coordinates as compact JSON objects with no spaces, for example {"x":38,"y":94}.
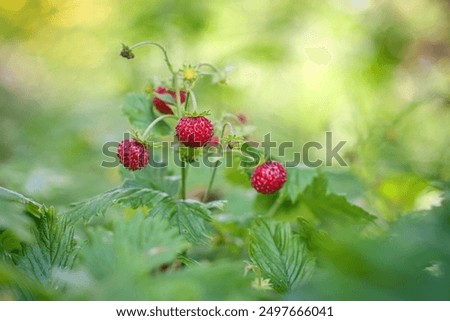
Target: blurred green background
{"x":375,"y":73}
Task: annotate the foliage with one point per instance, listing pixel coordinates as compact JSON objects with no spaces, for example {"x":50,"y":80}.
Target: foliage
{"x":280,"y":254}
{"x":371,"y":73}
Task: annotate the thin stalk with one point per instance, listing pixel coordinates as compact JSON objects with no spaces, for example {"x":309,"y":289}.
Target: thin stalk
{"x":276,"y":205}
{"x":153,"y":123}
{"x":183,"y":180}
{"x":177,"y":94}
{"x":151,"y":43}
{"x":216,"y":164}
{"x":188,"y":95}
{"x":211,"y":181}
{"x":205,"y":64}
{"x":194,"y":100}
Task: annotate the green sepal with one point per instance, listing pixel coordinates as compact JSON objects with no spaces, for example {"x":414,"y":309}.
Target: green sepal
{"x":197,"y":114}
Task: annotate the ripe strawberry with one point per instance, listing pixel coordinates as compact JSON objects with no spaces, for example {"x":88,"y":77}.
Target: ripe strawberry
{"x":269,"y":177}
{"x":132,"y":154}
{"x":194,"y":131}
{"x":161,"y":105}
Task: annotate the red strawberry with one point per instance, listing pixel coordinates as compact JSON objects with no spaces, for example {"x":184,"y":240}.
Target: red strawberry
{"x":269,"y":177}
{"x":132,"y":154}
{"x":194,"y":131}
{"x":161,"y":105}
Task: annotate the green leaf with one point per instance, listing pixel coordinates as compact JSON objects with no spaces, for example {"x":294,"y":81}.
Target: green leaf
{"x":15,"y":226}
{"x":129,"y":194}
{"x":167,"y":98}
{"x":310,"y":235}
{"x":298,"y":178}
{"x":218,"y":205}
{"x":157,"y":178}
{"x":414,"y":250}
{"x":329,"y":206}
{"x":189,"y":216}
{"x":192,"y":217}
{"x":142,"y":196}
{"x":345,"y":181}
{"x":53,"y":249}
{"x":16,"y":213}
{"x":402,"y":190}
{"x":140,"y":113}
{"x":221,"y":280}
{"x":280,"y":254}
{"x":32,"y":207}
{"x":133,"y":248}
{"x":11,"y":277}
{"x":236,"y":174}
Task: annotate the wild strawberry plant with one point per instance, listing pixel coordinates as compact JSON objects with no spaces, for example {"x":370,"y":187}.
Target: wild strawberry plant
{"x":155,"y":238}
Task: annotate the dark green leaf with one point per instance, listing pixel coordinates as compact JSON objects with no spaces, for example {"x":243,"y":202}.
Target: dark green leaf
{"x":329,"y":206}
{"x":134,"y":247}
{"x":189,"y":216}
{"x":129,"y":194}
{"x":53,"y":249}
{"x":280,"y":254}
{"x":157,"y":178}
{"x":298,"y":178}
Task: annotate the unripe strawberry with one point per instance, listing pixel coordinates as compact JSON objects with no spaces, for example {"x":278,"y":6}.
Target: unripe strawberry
{"x":214,"y":141}
{"x":132,"y":154}
{"x":194,"y":131}
{"x":161,"y":105}
{"x":269,"y":177}
{"x":242,"y":118}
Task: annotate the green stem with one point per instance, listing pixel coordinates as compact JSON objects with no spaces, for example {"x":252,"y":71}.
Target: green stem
{"x":223,"y":129}
{"x":276,"y":205}
{"x":153,"y":123}
{"x":216,"y":164}
{"x":188,"y":95}
{"x":205,"y":64}
{"x":177,"y":94}
{"x":194,"y":100}
{"x":183,"y":180}
{"x":232,"y":117}
{"x":151,"y":43}
{"x":211,"y":182}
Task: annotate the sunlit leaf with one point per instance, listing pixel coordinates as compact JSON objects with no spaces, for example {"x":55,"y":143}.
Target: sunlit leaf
{"x":140,"y":113}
